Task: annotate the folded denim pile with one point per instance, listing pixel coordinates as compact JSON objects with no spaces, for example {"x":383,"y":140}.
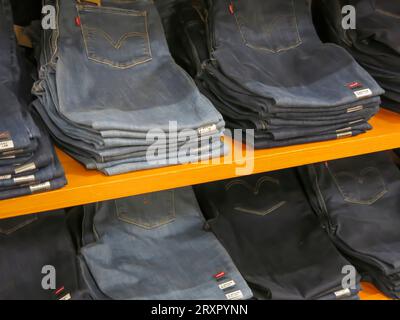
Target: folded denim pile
{"x":112,"y":96}
{"x":154,"y":247}
{"x":267,"y":225}
{"x":358,"y":202}
{"x":28,"y":163}
{"x":264,"y":67}
{"x":38,"y":253}
{"x":374,"y":43}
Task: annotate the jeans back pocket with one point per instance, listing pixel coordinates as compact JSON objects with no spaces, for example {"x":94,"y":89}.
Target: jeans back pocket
{"x":115,"y":37}
{"x":267,"y":25}
{"x":362,"y":186}
{"x":9,"y":226}
{"x":261,"y":198}
{"x":148,"y":211}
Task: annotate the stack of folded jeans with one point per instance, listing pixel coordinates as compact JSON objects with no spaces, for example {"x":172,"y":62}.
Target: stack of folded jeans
{"x":28,"y":162}
{"x":268,"y":227}
{"x":39,"y":259}
{"x":112,"y":96}
{"x":264,"y":67}
{"x":154,"y":247}
{"x":374,"y":43}
{"x":358,"y":202}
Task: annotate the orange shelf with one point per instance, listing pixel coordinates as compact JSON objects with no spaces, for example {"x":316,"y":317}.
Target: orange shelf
{"x":91,"y":186}
{"x":369,"y":292}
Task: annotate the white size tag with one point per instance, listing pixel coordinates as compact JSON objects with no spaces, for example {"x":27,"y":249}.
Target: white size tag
{"x":6,"y":145}
{"x":6,"y":177}
{"x":226,"y":285}
{"x":7,"y":157}
{"x":40,"y":187}
{"x":363,"y":93}
{"x":205,"y":130}
{"x":26,"y":167}
{"x":235,"y":295}
{"x":343,"y":293}
{"x":66,"y":297}
{"x":355,"y":109}
{"x":25,"y":179}
{"x":344,"y":135}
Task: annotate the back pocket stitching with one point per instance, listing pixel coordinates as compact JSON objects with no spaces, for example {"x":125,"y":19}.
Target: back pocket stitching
{"x":358,"y":201}
{"x":245,"y":41}
{"x":86,"y":36}
{"x":170,"y":217}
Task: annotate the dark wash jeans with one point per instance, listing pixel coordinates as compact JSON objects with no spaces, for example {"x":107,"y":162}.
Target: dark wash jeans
{"x":375,"y":43}
{"x":358,"y":202}
{"x":268,"y":227}
{"x":267,"y":101}
{"x":154,"y":246}
{"x":29,"y":243}
{"x":277,"y":64}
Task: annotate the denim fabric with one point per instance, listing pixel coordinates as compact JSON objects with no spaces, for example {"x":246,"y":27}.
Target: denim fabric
{"x":153,"y":247}
{"x":262,"y":63}
{"x":9,"y":64}
{"x":27,"y":160}
{"x":23,"y":165}
{"x":131,"y":85}
{"x":357,"y":200}
{"x":375,"y":43}
{"x":269,"y":228}
{"x":48,"y":173}
{"x":30,"y":243}
{"x":16,"y":132}
{"x":53,"y":184}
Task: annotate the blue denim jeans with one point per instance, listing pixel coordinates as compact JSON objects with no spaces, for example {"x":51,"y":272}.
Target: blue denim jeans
{"x":135,"y":88}
{"x":357,"y":200}
{"x":263,"y":66}
{"x":375,"y":43}
{"x":154,"y":247}
{"x":31,"y":243}
{"x":269,"y":228}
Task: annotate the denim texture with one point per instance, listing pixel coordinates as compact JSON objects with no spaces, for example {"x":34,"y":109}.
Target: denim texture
{"x":375,"y":43}
{"x":30,"y":243}
{"x":267,"y":225}
{"x":262,"y":62}
{"x":130,"y":85}
{"x":357,"y":200}
{"x":153,"y":246}
{"x":28,"y":163}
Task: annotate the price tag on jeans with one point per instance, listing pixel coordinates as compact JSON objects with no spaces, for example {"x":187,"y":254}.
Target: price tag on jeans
{"x":363,"y":93}
{"x":6,"y":145}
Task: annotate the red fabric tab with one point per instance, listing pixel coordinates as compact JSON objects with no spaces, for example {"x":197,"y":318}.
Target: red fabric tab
{"x":231,"y":8}
{"x":219,"y":275}
{"x":354,"y":85}
{"x":59,"y":291}
{"x":78,"y":21}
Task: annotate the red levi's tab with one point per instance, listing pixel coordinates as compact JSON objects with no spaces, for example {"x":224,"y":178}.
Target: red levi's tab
{"x":354,"y":85}
{"x":78,"y":21}
{"x":59,"y":291}
{"x":219,"y":275}
{"x":231,"y":8}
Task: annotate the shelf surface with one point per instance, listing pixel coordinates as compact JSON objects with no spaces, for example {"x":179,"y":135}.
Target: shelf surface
{"x":91,"y":186}
{"x":369,"y":292}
